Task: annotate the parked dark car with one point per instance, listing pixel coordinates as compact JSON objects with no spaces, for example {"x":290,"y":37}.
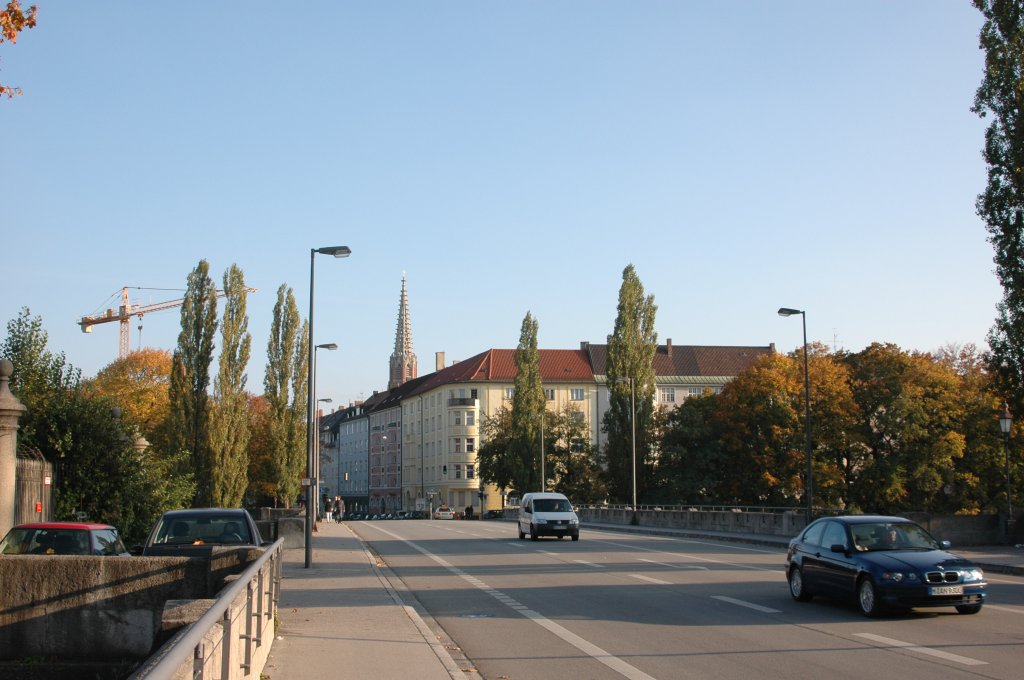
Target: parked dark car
{"x":882,"y":563}
{"x":195,"y":532}
{"x":494,"y":514}
{"x":62,"y":538}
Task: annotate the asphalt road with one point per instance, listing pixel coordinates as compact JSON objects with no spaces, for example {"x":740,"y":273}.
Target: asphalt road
{"x":617,"y":605}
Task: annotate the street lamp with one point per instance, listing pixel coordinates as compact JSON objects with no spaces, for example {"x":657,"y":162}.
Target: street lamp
{"x":632,"y":425}
{"x":809,"y":483}
{"x":336,"y":251}
{"x":1005,"y":423}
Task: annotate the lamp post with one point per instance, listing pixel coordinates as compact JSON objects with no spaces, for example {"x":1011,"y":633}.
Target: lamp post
{"x":1005,"y":423}
{"x":809,"y":482}
{"x":336,"y":251}
{"x":632,"y":425}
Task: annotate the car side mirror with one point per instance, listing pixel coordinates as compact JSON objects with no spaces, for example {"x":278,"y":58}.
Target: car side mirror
{"x":945,"y":545}
{"x":838,"y":548}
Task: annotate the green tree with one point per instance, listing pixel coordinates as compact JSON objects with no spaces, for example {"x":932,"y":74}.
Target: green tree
{"x":1001,"y":205}
{"x":692,"y":461}
{"x":493,"y":456}
{"x":190,"y":378}
{"x":284,"y":388}
{"x":528,"y":407}
{"x":573,"y":468}
{"x":631,"y":350}
{"x":229,"y":429}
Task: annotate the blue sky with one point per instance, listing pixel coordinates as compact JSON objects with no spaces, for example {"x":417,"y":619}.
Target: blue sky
{"x":509,"y":157}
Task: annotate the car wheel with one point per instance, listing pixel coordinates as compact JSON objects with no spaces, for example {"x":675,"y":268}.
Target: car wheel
{"x":796,"y":585}
{"x":533,"y":533}
{"x":521,"y":534}
{"x":968,"y":608}
{"x":867,"y":598}
{"x":576,"y":537}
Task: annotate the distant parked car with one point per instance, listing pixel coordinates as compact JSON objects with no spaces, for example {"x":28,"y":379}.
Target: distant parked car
{"x":881,"y":562}
{"x":63,"y":538}
{"x":195,"y":532}
{"x":444,"y":512}
{"x":494,"y":514}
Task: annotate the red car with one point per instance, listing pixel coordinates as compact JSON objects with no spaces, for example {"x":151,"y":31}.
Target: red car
{"x":62,"y":538}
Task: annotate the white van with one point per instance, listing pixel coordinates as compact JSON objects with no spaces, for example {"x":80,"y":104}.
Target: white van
{"x":547,"y":514}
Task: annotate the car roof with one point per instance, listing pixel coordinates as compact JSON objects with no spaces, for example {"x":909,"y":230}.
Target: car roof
{"x":545,"y":494}
{"x":204,"y":512}
{"x":867,"y":519}
{"x":80,"y":526}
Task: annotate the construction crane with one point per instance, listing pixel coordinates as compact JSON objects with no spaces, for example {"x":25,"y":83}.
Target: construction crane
{"x":126,"y":311}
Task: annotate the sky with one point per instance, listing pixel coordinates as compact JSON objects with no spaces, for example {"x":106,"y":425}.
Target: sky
{"x":506,"y":157}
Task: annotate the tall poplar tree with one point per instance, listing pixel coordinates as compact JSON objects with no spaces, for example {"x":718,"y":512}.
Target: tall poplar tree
{"x":284,"y":387}
{"x":190,"y":378}
{"x":1001,"y":205}
{"x":528,"y":407}
{"x":631,"y":350}
{"x":229,"y":429}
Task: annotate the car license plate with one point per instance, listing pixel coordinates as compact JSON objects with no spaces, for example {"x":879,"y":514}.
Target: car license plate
{"x":946,"y":590}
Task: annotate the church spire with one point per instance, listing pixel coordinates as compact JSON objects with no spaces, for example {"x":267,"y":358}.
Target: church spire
{"x":403,"y":359}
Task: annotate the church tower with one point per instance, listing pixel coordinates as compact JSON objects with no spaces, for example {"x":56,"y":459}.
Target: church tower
{"x":403,"y":359}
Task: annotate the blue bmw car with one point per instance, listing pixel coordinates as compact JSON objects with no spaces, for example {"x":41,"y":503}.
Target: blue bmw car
{"x":882,"y":563}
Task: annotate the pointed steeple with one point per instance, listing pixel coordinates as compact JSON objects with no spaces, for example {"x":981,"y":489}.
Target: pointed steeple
{"x":403,"y":359}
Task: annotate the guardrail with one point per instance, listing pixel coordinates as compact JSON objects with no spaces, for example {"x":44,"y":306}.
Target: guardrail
{"x":233,"y":638}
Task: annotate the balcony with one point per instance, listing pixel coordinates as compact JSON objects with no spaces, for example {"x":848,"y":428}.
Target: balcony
{"x":462,"y":401}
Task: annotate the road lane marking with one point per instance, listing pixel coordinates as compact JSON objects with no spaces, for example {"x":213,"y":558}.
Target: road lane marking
{"x":673,"y":566}
{"x":590,"y":564}
{"x":694,"y":558}
{"x":1012,"y":610}
{"x":748,"y":605}
{"x":593,"y":651}
{"x":928,"y":651}
{"x":651,"y":580}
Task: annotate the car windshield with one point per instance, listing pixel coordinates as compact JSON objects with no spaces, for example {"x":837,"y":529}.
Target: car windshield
{"x":197,"y":530}
{"x":46,"y":542}
{"x":551,"y":505}
{"x":891,"y":536}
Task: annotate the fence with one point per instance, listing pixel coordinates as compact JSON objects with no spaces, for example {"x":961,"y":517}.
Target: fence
{"x":33,"y":489}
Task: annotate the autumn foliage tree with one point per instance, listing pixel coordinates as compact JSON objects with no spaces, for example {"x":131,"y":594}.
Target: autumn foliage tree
{"x":13,"y":20}
{"x":138,"y":383}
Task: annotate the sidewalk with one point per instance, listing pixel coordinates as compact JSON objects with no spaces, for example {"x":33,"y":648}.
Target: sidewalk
{"x":342,"y":618}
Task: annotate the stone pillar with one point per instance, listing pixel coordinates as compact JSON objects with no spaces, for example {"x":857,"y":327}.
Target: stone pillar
{"x":11,"y":411}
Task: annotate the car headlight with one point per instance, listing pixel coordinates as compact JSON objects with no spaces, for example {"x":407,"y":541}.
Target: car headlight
{"x":974,"y":574}
{"x":574,"y":521}
{"x":898,"y":576}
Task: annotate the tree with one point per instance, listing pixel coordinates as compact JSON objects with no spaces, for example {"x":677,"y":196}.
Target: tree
{"x":284,"y":388}
{"x":1001,"y":205}
{"x":190,"y":378}
{"x":138,"y":384}
{"x":631,"y":350}
{"x":98,"y":472}
{"x":13,"y":20}
{"x":229,"y":429}
{"x":528,"y":407}
{"x":574,"y":470}
{"x":693,"y":463}
{"x":493,"y":459}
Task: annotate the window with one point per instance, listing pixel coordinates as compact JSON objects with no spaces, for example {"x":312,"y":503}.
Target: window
{"x":470,"y":418}
{"x":457,"y":418}
{"x":458,"y":472}
{"x":472,"y":393}
{"x":694,"y":391}
{"x":549,"y":392}
{"x":470,"y":472}
{"x":458,"y":446}
{"x":510,"y":392}
{"x":576,"y":394}
{"x":470,"y":445}
{"x":667,"y":395}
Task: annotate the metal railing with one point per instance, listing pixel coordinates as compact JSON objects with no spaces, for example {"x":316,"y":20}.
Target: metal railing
{"x":245,"y":612}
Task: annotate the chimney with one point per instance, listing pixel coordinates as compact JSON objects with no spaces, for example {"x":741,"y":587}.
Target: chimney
{"x":584,"y":345}
{"x":438,"y":361}
{"x":668,"y":346}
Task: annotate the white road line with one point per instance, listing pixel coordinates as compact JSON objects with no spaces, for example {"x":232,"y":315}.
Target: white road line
{"x":651,"y":580}
{"x":1012,"y":610}
{"x":590,"y":564}
{"x":673,"y":566}
{"x":748,"y":605}
{"x":928,"y":651}
{"x":593,"y":651}
{"x":694,"y":558}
